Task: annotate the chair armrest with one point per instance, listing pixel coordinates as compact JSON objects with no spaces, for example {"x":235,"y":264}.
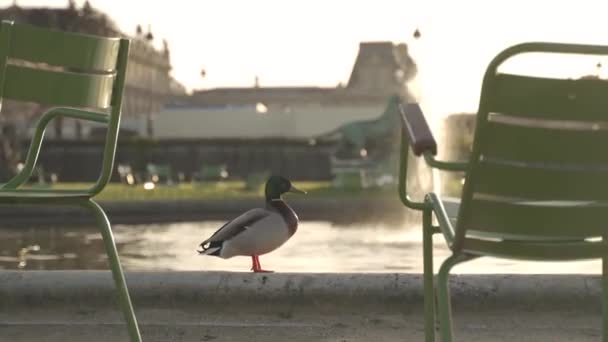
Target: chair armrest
{"x":34,"y":150}
{"x":417,"y":135}
{"x":445,"y":226}
{"x":71,"y":113}
{"x":416,"y":129}
{"x":421,"y":138}
{"x":445,"y":165}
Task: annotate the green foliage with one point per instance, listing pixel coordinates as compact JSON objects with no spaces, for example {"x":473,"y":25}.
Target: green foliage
{"x":220,"y":190}
{"x":348,"y":181}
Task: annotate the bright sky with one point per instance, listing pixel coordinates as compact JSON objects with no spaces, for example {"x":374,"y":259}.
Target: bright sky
{"x":314,"y":42}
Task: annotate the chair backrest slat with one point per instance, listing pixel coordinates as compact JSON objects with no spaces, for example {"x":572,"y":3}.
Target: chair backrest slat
{"x":537,"y":219}
{"x":537,"y":160}
{"x":64,"y":49}
{"x":58,"y":88}
{"x":65,"y":70}
{"x":536,"y":97}
{"x":541,"y":182}
{"x":547,"y":142}
{"x":57,"y":68}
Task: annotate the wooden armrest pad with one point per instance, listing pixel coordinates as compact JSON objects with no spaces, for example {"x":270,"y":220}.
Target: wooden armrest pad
{"x":416,"y":129}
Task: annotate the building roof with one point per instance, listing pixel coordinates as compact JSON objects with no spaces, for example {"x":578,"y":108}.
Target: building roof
{"x":296,"y":122}
{"x":374,"y":77}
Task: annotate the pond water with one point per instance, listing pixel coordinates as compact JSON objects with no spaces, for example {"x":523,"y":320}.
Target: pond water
{"x":317,"y":247}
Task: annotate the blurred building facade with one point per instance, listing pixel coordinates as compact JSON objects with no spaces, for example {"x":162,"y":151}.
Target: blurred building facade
{"x":250,"y":129}
{"x":147,"y":84}
{"x":294,"y":131}
{"x":381,"y":69}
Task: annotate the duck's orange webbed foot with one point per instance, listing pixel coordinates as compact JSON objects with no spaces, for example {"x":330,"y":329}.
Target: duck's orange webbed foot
{"x":256,"y":267}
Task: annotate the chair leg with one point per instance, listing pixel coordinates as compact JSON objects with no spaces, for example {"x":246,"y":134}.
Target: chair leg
{"x":429,"y":293}
{"x":443,"y":294}
{"x":117,"y":273}
{"x":605,"y":299}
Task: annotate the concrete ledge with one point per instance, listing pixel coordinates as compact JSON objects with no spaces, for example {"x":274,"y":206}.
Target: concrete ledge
{"x":62,"y":306}
{"x":473,"y":292}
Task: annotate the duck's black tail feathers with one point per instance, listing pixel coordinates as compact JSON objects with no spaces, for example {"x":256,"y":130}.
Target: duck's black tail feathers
{"x":210,"y":248}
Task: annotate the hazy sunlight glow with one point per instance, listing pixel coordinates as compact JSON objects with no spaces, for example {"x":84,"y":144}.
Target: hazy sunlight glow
{"x":314,"y":42}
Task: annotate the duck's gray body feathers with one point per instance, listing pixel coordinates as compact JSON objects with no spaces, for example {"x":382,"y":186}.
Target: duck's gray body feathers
{"x":256,"y":232}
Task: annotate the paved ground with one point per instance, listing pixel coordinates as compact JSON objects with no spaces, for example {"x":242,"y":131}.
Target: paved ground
{"x":164,"y":325}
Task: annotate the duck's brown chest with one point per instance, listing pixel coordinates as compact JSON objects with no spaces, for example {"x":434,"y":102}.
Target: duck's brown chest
{"x":290,"y":216}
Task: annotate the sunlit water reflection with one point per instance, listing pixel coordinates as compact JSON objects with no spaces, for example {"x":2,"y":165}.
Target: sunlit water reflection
{"x":316,"y":247}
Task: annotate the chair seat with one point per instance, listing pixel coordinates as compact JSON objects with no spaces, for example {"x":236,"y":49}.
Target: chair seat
{"x":451,"y":205}
{"x":528,"y":247}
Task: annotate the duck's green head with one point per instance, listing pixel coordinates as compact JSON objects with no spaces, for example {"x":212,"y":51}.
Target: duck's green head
{"x":278,"y":185}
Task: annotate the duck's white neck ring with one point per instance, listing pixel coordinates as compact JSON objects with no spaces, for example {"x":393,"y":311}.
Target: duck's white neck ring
{"x":276,"y":200}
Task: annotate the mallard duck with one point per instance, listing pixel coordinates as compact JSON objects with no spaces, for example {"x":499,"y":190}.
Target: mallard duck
{"x":257,"y":231}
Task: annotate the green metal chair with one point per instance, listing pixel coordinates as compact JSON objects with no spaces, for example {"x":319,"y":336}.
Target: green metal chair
{"x":536,"y":182}
{"x":68,"y":70}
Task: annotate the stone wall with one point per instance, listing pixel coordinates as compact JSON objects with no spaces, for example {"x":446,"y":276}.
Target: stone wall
{"x":294,"y":159}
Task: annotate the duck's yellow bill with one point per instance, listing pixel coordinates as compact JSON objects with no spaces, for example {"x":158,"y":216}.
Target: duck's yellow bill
{"x":296,"y":190}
